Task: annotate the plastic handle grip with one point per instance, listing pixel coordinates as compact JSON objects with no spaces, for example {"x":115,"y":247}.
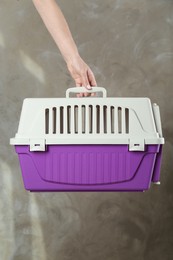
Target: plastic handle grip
{"x":84,"y":90}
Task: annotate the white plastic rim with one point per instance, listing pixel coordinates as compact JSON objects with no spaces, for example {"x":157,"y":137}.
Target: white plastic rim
{"x":84,"y":90}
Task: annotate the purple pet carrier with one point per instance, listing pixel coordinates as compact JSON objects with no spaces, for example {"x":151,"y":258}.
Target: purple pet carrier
{"x":90,"y":143}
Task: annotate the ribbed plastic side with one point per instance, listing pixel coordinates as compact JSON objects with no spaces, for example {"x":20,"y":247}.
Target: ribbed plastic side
{"x":88,"y":167}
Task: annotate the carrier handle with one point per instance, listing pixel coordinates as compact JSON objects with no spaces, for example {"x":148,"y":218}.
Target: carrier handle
{"x":84,"y":90}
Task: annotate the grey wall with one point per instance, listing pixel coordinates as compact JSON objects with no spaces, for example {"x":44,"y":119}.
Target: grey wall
{"x":129,"y":45}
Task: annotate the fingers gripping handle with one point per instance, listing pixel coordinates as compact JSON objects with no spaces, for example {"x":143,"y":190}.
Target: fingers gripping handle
{"x":84,"y":90}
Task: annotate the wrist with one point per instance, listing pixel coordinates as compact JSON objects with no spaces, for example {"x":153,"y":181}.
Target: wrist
{"x":70,"y":58}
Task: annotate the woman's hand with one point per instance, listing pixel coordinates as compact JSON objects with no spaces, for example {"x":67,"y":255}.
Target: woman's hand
{"x":81,"y":73}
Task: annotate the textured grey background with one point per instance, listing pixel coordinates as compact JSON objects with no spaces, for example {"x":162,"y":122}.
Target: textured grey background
{"x":129,"y":45}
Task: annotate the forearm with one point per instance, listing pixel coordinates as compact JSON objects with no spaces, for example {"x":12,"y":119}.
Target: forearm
{"x":58,"y":27}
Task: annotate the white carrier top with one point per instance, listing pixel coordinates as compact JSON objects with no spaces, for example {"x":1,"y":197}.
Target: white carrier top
{"x":88,"y":120}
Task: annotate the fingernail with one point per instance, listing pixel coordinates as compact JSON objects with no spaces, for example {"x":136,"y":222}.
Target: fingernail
{"x":89,"y":87}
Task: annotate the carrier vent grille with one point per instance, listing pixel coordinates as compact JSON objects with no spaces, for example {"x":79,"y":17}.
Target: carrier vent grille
{"x":87,"y":119}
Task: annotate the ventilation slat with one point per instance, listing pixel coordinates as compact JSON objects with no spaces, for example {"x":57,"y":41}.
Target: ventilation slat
{"x":76,"y":119}
{"x":98,"y":119}
{"x":65,"y":119}
{"x":47,"y":121}
{"x":68,"y":119}
{"x":94,"y":120}
{"x":119,"y":120}
{"x":54,"y":120}
{"x":72,"y":122}
{"x":101,"y":120}
{"x":50,"y":121}
{"x":90,"y":119}
{"x":115,"y":120}
{"x":127,"y":120}
{"x":105,"y":119}
{"x":57,"y":120}
{"x":83,"y":119}
{"x":123,"y":120}
{"x":108,"y":119}
{"x":87,"y":120}
{"x":61,"y":120}
{"x":112,"y":119}
{"x":79,"y":119}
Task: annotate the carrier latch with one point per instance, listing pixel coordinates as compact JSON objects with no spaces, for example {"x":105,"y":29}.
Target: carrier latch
{"x":37,"y":144}
{"x":136,"y":144}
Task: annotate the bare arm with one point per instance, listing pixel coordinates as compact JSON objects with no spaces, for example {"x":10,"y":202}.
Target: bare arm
{"x":58,"y":28}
